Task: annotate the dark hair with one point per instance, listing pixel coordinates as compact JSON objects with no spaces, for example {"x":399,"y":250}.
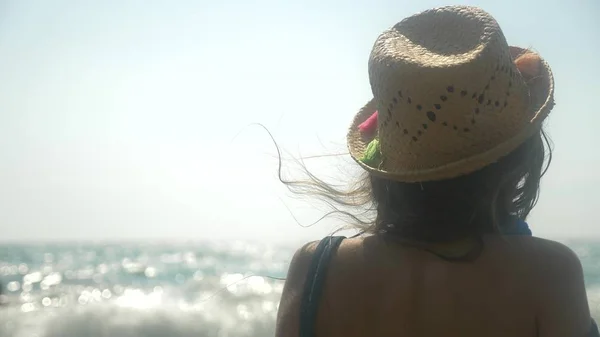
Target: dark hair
{"x":440,"y":211}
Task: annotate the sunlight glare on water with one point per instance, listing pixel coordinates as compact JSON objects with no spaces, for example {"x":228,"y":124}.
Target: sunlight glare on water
{"x":123,"y":291}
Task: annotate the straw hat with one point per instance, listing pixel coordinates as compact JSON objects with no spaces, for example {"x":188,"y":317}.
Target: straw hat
{"x":448,"y":98}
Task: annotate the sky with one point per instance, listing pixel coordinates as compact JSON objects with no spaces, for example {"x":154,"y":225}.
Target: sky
{"x":131,"y":120}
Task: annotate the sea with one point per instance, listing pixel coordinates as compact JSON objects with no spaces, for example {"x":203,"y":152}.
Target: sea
{"x":200,"y":289}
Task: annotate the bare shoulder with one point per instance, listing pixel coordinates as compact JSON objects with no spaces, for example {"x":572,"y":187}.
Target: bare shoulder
{"x":548,"y":256}
{"x":288,"y":314}
{"x":555,"y":264}
{"x":558,"y":287}
{"x":303,"y":257}
{"x":547,"y":262}
{"x":299,"y":265}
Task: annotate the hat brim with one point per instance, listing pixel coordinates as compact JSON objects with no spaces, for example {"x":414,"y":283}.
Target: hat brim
{"x":541,"y":89}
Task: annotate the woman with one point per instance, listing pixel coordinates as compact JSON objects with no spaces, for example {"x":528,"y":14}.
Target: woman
{"x":453,"y":149}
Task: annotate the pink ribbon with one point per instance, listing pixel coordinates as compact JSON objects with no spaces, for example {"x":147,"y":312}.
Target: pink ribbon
{"x":369,"y":125}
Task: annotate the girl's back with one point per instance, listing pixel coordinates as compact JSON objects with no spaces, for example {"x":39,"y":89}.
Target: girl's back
{"x":518,"y":286}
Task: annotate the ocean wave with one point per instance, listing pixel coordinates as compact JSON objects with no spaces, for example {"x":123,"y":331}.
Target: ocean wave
{"x":116,"y":321}
{"x":229,"y":305}
{"x":246,"y":308}
{"x":112,"y":320}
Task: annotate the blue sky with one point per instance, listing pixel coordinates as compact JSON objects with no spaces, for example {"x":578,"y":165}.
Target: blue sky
{"x":127,"y":119}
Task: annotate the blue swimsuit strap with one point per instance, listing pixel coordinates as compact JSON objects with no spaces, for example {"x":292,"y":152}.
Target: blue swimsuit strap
{"x":313,"y":288}
{"x":520,"y":227}
{"x":594,"y":332}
